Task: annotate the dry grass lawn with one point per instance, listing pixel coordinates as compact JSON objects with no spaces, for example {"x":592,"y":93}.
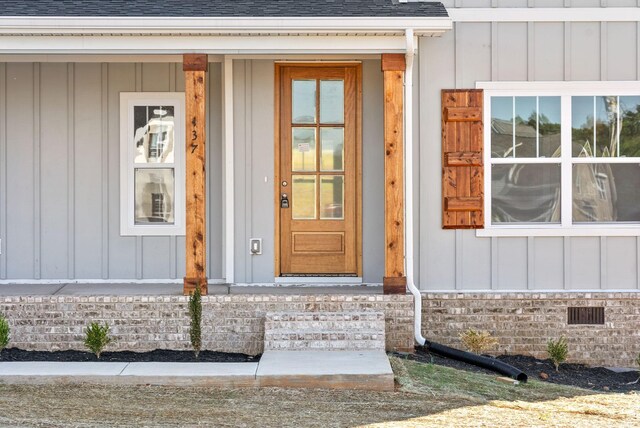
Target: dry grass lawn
{"x":427,"y":395}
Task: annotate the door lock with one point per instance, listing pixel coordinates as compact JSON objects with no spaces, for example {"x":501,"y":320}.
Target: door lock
{"x":284,"y":201}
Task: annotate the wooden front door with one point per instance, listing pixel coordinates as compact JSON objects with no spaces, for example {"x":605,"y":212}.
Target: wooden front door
{"x":317,"y":202}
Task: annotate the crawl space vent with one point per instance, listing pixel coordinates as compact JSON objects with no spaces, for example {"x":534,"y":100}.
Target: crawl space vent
{"x":585,"y":315}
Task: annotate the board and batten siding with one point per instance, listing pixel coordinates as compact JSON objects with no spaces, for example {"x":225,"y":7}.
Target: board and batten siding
{"x":59,"y":173}
{"x":472,"y":52}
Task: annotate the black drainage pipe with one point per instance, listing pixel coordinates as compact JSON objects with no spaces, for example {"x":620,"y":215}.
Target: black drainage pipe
{"x":488,"y":363}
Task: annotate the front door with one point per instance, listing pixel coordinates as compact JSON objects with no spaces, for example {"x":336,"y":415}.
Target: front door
{"x":318,"y":185}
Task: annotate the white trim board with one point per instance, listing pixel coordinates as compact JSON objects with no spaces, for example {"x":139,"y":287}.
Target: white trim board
{"x":60,"y":25}
{"x":170,"y":44}
{"x":529,"y":291}
{"x":543,"y":14}
{"x":100,"y":281}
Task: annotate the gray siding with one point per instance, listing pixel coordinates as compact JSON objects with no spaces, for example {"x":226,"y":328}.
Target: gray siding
{"x":475,"y":52}
{"x":59,"y":175}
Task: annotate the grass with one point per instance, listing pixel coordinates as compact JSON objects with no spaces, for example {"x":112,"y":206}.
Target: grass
{"x":428,"y":395}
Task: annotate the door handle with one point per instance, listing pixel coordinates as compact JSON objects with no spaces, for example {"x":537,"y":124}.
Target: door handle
{"x":284,"y":201}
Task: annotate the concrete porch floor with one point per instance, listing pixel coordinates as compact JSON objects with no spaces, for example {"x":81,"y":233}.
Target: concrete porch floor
{"x":120,"y":289}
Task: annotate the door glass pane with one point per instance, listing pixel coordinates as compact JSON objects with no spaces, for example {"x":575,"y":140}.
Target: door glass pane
{"x":303,"y":150}
{"x":525,"y":193}
{"x":331,"y":197}
{"x":303,"y":109}
{"x":606,"y":192}
{"x":502,"y":127}
{"x":331,"y":101}
{"x":153,"y":134}
{"x":332,"y":146}
{"x":154,"y":195}
{"x":303,"y":199}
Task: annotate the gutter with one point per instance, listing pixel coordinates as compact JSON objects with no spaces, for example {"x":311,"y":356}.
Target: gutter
{"x":84,"y":26}
{"x":408,"y":186}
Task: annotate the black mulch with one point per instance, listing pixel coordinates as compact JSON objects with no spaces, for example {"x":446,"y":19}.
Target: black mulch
{"x":159,"y":355}
{"x":595,"y":378}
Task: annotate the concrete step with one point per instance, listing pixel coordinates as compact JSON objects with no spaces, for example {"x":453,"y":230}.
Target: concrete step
{"x":364,"y":370}
{"x":334,"y":331}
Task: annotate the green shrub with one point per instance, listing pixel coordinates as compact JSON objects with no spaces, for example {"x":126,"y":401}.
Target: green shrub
{"x":97,"y":338}
{"x":477,"y":341}
{"x":558,"y":351}
{"x":4,"y":333}
{"x":195,"y":313}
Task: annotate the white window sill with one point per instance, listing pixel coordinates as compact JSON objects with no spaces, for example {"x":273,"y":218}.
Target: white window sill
{"x":506,"y":231}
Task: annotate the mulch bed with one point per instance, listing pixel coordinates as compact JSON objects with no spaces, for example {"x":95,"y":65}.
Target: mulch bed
{"x":579,"y":375}
{"x":159,"y":355}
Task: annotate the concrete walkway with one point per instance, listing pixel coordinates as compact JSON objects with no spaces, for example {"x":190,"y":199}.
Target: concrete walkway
{"x":365,"y":370}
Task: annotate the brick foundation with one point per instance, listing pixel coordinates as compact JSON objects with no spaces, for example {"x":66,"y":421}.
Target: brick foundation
{"x":523,"y":322}
{"x":231,"y":323}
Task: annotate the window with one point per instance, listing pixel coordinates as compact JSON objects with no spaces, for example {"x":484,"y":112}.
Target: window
{"x":562,"y":158}
{"x":152,"y":164}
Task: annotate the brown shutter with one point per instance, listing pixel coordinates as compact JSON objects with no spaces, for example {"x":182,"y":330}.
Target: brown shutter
{"x":462,"y":159}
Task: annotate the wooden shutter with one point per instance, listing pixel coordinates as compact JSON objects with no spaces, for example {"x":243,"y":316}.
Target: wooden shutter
{"x":462,"y":159}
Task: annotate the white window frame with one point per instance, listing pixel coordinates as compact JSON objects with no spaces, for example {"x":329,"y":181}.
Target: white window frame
{"x":565,"y":90}
{"x":128,"y":100}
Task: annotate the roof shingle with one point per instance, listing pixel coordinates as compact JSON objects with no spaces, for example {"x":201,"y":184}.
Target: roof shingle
{"x":222,"y":8}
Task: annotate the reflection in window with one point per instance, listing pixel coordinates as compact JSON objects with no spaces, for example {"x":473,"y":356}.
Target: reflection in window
{"x":332,"y":146}
{"x":154,"y":134}
{"x":303,"y":104}
{"x":331,"y":197}
{"x":525,"y":193}
{"x":615,"y":132}
{"x":303,"y":198}
{"x":303,"y":149}
{"x":154,"y":195}
{"x":606,"y":192}
{"x":525,"y":127}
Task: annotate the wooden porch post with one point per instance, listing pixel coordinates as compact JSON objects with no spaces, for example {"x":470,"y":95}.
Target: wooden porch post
{"x":393,"y":67}
{"x":195,"y":71}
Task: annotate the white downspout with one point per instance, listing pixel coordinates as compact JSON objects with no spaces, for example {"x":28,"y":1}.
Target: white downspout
{"x":408,"y":186}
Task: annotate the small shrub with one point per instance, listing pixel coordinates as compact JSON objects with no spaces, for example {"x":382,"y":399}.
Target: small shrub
{"x":558,"y":351}
{"x":477,"y":341}
{"x":195,"y":313}
{"x":4,"y":333}
{"x":97,"y":338}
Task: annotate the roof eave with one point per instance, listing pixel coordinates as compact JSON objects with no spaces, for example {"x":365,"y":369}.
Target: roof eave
{"x":82,"y":26}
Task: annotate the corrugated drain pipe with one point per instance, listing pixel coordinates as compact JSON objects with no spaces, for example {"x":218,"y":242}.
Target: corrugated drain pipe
{"x":456,"y":354}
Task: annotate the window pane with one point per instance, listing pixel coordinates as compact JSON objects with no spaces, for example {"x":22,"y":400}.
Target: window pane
{"x":502,"y":127}
{"x":525,"y":193}
{"x":303,"y":199}
{"x":526,"y":124}
{"x":606,"y":192}
{"x":549,"y":126}
{"x":331,"y":101}
{"x":331,"y":197}
{"x":332,"y":143}
{"x":154,"y":134}
{"x":303,"y":150}
{"x":154,"y":196}
{"x":582,"y":136}
{"x":630,"y":126}
{"x":606,"y":127}
{"x":303,"y":109}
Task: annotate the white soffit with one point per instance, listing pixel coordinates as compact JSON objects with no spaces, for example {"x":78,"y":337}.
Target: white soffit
{"x":556,"y":14}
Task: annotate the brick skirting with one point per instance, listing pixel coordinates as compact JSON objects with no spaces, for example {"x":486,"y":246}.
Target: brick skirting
{"x":523,"y":322}
{"x":231,"y":323}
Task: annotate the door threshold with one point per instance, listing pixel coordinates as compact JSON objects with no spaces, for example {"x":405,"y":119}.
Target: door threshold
{"x":319,"y":280}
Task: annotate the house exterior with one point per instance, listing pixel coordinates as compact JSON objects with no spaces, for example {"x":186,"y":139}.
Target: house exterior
{"x":482,"y":154}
